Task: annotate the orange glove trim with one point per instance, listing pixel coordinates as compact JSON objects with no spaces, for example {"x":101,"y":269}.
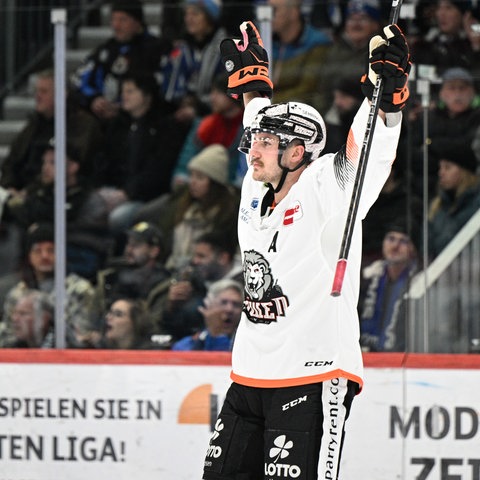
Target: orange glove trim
{"x":401,"y":96}
{"x":247,"y":74}
{"x":396,"y":65}
{"x":257,"y":34}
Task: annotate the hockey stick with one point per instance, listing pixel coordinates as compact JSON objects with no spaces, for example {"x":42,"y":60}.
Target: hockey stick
{"x":362,"y":165}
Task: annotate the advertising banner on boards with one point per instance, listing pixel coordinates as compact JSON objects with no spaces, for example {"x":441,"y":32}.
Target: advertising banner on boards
{"x":84,"y":421}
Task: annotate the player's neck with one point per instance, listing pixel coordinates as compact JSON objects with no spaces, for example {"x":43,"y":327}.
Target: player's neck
{"x":290,"y":180}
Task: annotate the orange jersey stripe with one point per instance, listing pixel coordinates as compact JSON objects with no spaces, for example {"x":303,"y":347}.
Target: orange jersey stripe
{"x":352,"y":149}
{"x":293,"y":382}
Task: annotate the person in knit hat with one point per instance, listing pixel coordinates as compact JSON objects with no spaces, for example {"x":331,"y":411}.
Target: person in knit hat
{"x":212,"y":161}
{"x":463,"y":6}
{"x":455,"y":152}
{"x":453,"y":120}
{"x":195,"y":60}
{"x":371,"y":8}
{"x":383,"y":285}
{"x":133,"y":8}
{"x":131,"y":48}
{"x":211,"y":7}
{"x":207,"y":202}
{"x":459,"y":74}
{"x":458,"y":195}
{"x":39,"y":233}
{"x":38,"y":273}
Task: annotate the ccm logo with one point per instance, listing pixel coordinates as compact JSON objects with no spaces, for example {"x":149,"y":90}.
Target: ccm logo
{"x":291,"y":214}
{"x":318,"y":363}
{"x":294,"y":403}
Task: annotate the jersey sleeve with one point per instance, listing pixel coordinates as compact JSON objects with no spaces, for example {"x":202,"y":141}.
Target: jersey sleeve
{"x":252,"y":108}
{"x":379,"y":162}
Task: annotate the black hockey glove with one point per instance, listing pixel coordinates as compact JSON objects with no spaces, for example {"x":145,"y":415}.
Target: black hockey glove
{"x":246,"y":62}
{"x":389,"y":57}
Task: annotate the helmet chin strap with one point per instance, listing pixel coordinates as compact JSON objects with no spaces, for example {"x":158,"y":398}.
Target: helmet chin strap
{"x":286,"y":171}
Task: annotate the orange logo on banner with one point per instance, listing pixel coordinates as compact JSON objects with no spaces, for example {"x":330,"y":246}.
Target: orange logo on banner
{"x":195,"y":407}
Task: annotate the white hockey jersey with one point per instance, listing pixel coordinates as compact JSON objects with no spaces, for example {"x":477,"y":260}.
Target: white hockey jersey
{"x":293,"y":331}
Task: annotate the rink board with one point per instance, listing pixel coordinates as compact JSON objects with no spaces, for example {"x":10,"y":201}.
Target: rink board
{"x":120,"y":415}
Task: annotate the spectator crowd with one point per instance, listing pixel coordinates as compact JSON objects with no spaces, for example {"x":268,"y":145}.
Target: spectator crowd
{"x":153,"y":173}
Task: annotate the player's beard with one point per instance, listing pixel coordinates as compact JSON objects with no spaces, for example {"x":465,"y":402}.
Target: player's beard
{"x":265,"y":176}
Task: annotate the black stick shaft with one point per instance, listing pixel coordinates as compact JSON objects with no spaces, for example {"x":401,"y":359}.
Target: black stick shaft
{"x":359,"y":178}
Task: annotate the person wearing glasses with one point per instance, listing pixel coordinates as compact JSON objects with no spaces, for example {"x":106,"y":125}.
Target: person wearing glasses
{"x":128,"y":326}
{"x":384,"y":283}
{"x":221,"y":312}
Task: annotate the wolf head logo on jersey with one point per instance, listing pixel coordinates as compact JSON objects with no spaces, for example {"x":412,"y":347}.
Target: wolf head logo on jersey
{"x":264,"y":299}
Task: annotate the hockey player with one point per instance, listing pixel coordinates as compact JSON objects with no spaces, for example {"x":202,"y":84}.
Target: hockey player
{"x":296,"y":358}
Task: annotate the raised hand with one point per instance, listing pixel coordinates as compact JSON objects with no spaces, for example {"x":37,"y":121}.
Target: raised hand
{"x":246,"y":62}
{"x":389,"y":57}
